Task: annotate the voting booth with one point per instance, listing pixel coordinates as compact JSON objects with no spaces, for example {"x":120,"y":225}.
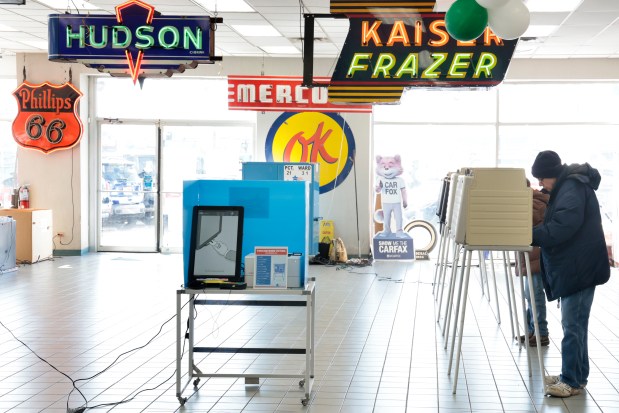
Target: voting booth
{"x":275,"y":214}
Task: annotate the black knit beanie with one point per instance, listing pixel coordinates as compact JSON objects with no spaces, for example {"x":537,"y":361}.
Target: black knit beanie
{"x":547,"y":165}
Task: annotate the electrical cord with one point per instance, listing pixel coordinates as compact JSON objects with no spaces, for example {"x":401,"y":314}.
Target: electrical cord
{"x":74,"y":382}
{"x":42,"y":359}
{"x":129,"y":397}
{"x":118,"y":358}
{"x":126,"y":399}
{"x":72,"y":203}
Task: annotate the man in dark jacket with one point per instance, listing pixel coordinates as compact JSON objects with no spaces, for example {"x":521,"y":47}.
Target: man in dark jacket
{"x":574,"y":260}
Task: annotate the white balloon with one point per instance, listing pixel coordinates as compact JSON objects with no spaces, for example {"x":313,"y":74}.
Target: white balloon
{"x":491,"y":4}
{"x":509,"y":21}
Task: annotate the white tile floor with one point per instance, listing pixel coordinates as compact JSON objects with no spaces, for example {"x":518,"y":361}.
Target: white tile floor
{"x":378,"y":346}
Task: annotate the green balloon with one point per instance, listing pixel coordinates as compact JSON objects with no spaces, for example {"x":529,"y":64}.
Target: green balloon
{"x":466,"y":20}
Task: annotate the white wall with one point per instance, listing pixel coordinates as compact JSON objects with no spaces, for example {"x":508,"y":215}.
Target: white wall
{"x":7,"y":66}
{"x":59,"y":181}
{"x":340,"y":204}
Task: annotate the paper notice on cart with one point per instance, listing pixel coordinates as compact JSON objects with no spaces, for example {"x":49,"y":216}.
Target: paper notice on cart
{"x":270,"y":267}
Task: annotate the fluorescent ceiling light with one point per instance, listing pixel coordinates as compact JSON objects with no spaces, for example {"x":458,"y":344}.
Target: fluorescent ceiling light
{"x":255,"y":30}
{"x":69,"y":5}
{"x":553,"y":5}
{"x":280,"y":49}
{"x":540,"y":30}
{"x":225,"y":5}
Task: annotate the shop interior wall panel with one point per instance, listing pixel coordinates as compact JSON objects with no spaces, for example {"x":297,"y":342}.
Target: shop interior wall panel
{"x":276,"y":213}
{"x":277,"y":171}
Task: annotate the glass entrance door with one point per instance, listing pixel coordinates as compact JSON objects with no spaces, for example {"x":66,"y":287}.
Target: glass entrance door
{"x":128,"y":187}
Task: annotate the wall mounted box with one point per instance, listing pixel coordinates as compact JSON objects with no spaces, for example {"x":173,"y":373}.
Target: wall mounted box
{"x":292,"y":171}
{"x":34,"y":233}
{"x":276,"y":213}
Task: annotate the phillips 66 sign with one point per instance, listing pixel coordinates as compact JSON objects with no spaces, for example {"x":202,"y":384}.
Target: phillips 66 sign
{"x":47,"y":117}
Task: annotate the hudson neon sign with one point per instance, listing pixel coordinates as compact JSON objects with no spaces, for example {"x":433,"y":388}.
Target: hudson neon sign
{"x":138,"y":41}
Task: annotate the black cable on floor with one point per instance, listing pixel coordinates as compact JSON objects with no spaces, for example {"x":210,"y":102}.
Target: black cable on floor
{"x":74,"y":382}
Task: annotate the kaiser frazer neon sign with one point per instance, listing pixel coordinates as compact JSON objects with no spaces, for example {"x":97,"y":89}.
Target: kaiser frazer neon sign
{"x":137,"y":41}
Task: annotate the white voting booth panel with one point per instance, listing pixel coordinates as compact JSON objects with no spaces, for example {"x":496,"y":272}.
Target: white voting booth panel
{"x":492,"y":211}
{"x":453,"y":185}
{"x":458,"y":222}
{"x":493,"y":206}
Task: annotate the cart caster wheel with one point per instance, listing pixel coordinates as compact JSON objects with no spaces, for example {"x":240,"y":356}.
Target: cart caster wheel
{"x":196,"y":382}
{"x":304,"y":402}
{"x":302,"y":383}
{"x":182,"y":400}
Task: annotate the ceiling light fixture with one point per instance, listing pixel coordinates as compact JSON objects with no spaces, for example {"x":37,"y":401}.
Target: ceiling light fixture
{"x":256,"y":30}
{"x":280,"y":49}
{"x":545,"y":6}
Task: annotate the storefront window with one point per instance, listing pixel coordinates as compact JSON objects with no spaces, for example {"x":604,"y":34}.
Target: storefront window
{"x":440,"y":106}
{"x":8,"y":147}
{"x":518,"y":146}
{"x":198,"y":99}
{"x":429,"y":153}
{"x":197,"y":138}
{"x":504,"y":126}
{"x":558,"y":102}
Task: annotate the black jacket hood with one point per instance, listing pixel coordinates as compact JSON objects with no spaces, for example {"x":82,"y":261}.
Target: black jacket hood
{"x":584,"y":173}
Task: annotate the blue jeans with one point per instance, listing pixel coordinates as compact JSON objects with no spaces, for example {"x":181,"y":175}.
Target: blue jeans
{"x":540,"y":305}
{"x":575,"y":310}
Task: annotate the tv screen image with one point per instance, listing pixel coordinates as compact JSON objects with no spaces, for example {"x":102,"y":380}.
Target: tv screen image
{"x":216,"y":240}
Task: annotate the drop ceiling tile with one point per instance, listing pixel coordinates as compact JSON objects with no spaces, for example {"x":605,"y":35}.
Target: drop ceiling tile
{"x":590,"y":19}
{"x":548,"y":18}
{"x":600,"y":5}
{"x":573,"y":33}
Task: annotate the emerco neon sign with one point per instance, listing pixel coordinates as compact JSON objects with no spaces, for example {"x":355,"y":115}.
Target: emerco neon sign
{"x":138,"y":41}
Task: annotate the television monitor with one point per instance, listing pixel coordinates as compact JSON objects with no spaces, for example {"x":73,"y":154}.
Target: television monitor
{"x":215,"y":244}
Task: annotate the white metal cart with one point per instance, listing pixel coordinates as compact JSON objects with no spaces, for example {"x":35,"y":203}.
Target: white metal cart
{"x":290,"y":297}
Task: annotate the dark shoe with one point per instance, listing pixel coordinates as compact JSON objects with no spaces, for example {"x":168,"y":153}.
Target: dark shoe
{"x":533,"y":342}
{"x":527,"y":337}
